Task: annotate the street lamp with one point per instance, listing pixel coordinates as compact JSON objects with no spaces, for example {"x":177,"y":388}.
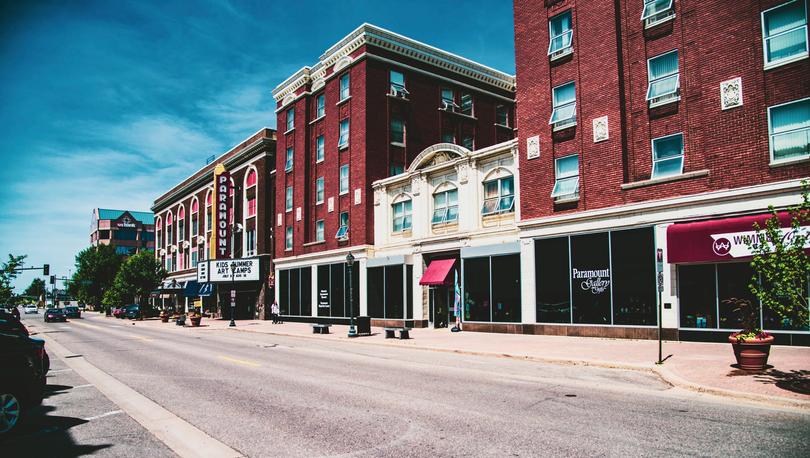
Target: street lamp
{"x":233,"y":292}
{"x":174,"y":294}
{"x":352,"y":328}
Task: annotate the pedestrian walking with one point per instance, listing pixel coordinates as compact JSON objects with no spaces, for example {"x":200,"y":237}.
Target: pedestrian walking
{"x":274,"y":312}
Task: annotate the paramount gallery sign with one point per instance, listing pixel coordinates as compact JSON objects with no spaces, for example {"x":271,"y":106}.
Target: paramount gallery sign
{"x":222,"y":215}
{"x":595,"y":281}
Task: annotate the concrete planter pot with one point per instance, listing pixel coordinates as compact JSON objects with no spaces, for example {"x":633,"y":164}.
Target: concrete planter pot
{"x":164,"y":318}
{"x":751,"y":354}
{"x":195,"y":321}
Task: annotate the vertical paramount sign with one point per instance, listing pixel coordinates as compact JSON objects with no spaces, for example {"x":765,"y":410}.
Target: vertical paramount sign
{"x":222,"y":232}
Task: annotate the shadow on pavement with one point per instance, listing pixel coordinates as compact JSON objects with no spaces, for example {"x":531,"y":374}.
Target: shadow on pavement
{"x":44,"y":435}
{"x":797,"y":381}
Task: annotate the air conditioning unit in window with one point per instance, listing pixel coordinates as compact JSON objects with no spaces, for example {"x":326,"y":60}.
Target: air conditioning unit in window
{"x":665,"y":99}
{"x":399,"y":92}
{"x":659,"y":18}
{"x":449,"y":106}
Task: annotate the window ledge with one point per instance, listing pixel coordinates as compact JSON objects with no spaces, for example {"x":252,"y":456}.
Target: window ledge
{"x":566,"y":199}
{"x":449,"y":225}
{"x":401,"y":145}
{"x":650,"y":25}
{"x":655,"y":181}
{"x":458,"y":113}
{"x":557,"y":128}
{"x":341,"y":102}
{"x":791,"y":161}
{"x":318,"y":161}
{"x":317,"y":119}
{"x":344,"y":193}
{"x":789,"y":60}
{"x":505,"y":126}
{"x":288,"y":170}
{"x":317,"y":242}
{"x":342,"y":147}
{"x":404,"y":99}
{"x":402,"y":233}
{"x":319,"y":203}
{"x":559,"y":55}
{"x":664,"y":102}
{"x":288,"y":131}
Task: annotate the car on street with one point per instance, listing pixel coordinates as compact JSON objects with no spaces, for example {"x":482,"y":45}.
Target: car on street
{"x":132,"y":311}
{"x":118,"y":312}
{"x":73,"y":312}
{"x":30,"y":308}
{"x":22,"y":380}
{"x":12,"y":324}
{"x":55,"y":315}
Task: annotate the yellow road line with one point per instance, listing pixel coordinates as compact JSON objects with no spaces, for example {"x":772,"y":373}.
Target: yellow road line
{"x":240,"y":361}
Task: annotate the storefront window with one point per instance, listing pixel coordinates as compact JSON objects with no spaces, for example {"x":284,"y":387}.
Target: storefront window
{"x":506,"y":288}
{"x":295,"y":292}
{"x":394,"y":284}
{"x":590,"y":278}
{"x":375,"y":284}
{"x":409,"y":292}
{"x":293,"y":307}
{"x":633,"y":272}
{"x":333,"y":294}
{"x":552,"y":280}
{"x":732,"y":283}
{"x":476,"y":289}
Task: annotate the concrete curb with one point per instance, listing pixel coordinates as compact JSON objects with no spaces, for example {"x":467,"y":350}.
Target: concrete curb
{"x":662,"y":372}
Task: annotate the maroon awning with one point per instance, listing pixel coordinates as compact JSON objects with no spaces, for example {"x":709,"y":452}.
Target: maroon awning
{"x":438,"y":273}
{"x":715,"y":240}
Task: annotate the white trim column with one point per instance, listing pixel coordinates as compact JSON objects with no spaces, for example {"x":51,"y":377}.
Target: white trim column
{"x":528,"y":299}
{"x":416,"y":289}
{"x":363,"y":285}
{"x":669,"y":316}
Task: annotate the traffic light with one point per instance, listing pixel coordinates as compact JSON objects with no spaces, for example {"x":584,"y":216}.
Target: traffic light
{"x":46,"y":269}
{"x":53,"y":279}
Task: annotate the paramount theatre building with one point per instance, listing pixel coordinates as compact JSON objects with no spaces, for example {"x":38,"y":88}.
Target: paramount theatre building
{"x":214,"y":235}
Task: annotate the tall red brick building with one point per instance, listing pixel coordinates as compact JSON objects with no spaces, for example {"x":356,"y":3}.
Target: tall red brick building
{"x":654,"y":124}
{"x":363,"y":112}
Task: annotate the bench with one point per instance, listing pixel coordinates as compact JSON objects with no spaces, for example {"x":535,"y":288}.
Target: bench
{"x":390,"y":333}
{"x":320,"y":328}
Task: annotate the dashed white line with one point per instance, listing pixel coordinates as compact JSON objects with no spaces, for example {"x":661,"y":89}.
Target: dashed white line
{"x":96,"y":417}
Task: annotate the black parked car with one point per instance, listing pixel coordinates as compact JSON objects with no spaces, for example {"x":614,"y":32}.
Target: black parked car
{"x":55,"y":315}
{"x":22,"y":380}
{"x":73,"y":312}
{"x":132,"y":311}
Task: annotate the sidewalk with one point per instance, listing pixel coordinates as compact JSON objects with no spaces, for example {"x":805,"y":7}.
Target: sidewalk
{"x":705,"y":367}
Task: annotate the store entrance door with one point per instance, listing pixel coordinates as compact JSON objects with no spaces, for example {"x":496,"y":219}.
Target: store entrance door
{"x":440,"y":301}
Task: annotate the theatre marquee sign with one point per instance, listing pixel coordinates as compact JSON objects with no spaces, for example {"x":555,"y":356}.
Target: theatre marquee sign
{"x":218,"y":271}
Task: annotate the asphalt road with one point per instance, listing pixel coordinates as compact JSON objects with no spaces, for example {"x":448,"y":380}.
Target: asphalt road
{"x":267,"y":395}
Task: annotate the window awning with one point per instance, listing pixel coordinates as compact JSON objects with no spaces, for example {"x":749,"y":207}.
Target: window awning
{"x":716,"y":240}
{"x":438,"y":273}
{"x":195,"y":289}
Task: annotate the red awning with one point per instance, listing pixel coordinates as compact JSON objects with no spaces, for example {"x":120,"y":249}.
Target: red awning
{"x":715,"y":240}
{"x":437,"y":273}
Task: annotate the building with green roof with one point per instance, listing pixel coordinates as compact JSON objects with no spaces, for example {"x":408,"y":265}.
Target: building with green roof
{"x":128,"y":231}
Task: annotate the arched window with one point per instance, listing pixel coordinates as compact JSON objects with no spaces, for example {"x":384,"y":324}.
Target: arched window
{"x":169,"y":230}
{"x":181,"y":224}
{"x":159,"y":232}
{"x":401,"y":213}
{"x":250,"y":193}
{"x":195,"y":210}
{"x":209,"y":216}
{"x":445,"y":204}
{"x":499,"y":193}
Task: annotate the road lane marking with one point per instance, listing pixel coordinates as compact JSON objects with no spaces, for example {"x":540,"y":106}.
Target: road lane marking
{"x":240,"y":361}
{"x":58,"y":370}
{"x":96,"y":417}
{"x":82,"y":386}
{"x":92,"y":326}
{"x":179,"y":435}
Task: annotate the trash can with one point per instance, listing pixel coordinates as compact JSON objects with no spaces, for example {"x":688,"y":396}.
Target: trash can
{"x":363,"y":324}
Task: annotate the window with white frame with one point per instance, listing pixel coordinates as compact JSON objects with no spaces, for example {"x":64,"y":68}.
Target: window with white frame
{"x":499,"y":196}
{"x":288,"y":238}
{"x":250,"y":248}
{"x":449,"y":99}
{"x":319,"y":150}
{"x":288,"y":199}
{"x":319,"y":190}
{"x":209,"y":211}
{"x":193,"y":259}
{"x":564,"y":112}
{"x":288,"y":163}
{"x":789,"y":129}
{"x":290,"y":118}
{"x":343,"y":228}
{"x":397,"y":130}
{"x":344,"y":179}
{"x":195,"y":211}
{"x":343,"y":141}
{"x":560,"y":33}
{"x":784,"y":33}
{"x":445,"y":206}
{"x":667,"y":156}
{"x":397,"y":80}
{"x":319,"y":237}
{"x":401,"y":212}
{"x":344,"y":87}
{"x":320,"y":106}
{"x":656,"y":11}
{"x":664,"y":80}
{"x":181,"y":224}
{"x":566,"y":178}
{"x":466,"y":103}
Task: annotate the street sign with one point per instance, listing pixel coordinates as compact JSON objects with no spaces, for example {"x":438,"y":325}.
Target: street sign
{"x":659,"y":258}
{"x":660,"y":281}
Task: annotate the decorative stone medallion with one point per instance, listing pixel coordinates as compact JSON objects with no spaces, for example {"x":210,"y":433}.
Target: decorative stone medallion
{"x":731,"y":93}
{"x":600,"y":129}
{"x":533,"y":147}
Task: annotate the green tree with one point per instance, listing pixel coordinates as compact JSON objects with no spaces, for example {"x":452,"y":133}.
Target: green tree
{"x":781,"y":266}
{"x":35,"y":289}
{"x":96,"y":268}
{"x":139,"y":275}
{"x":8,"y":272}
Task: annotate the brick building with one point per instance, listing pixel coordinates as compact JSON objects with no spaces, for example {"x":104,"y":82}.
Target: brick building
{"x":128,"y":231}
{"x":650,"y":124}
{"x":368,"y":107}
{"x":185,"y":217}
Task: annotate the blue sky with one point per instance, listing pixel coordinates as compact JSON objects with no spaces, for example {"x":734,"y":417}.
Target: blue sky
{"x":108,"y":104}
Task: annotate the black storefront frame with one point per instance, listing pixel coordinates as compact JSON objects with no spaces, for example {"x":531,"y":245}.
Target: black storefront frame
{"x":608,"y":232}
{"x":407,"y":293}
{"x":344,"y":292}
{"x":491,"y":304}
{"x":285,"y":276}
